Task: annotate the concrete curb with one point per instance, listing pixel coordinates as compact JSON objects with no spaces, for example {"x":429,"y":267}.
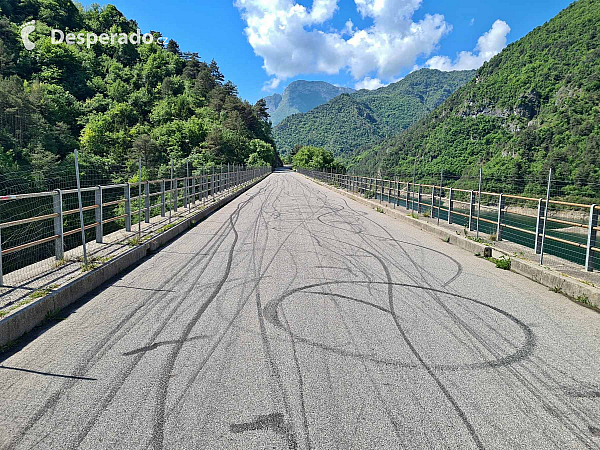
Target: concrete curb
{"x":24,"y":320}
{"x":571,"y":287}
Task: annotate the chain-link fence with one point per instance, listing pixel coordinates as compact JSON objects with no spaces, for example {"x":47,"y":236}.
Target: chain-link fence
{"x":50,"y":219}
{"x":566,"y":228}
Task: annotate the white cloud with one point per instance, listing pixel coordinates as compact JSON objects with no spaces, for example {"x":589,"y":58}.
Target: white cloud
{"x":286,"y":35}
{"x":472,"y":21}
{"x":369,"y":83}
{"x":271,"y":85}
{"x":488,"y":45}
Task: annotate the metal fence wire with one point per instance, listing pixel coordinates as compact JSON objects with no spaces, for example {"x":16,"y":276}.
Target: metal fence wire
{"x":534,"y":213}
{"x":49,"y":218}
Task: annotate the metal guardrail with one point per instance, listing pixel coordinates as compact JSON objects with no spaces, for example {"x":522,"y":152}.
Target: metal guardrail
{"x":186,"y":191}
{"x":444,"y":199}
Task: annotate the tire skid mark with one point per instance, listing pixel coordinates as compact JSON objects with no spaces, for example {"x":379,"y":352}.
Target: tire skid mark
{"x":529,"y":386}
{"x":105,"y":344}
{"x":124,"y":375}
{"x":157,"y":439}
{"x":230,"y":324}
{"x":396,"y":426}
{"x":274,"y":372}
{"x":456,"y":319}
{"x":532,"y":388}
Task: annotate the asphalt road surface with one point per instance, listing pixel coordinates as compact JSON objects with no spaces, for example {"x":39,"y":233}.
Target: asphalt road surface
{"x":295,"y":318}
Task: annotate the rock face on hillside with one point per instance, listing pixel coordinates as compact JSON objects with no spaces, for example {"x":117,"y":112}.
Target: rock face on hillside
{"x":301,"y":96}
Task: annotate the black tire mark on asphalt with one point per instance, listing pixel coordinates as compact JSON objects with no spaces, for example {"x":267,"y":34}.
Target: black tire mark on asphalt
{"x":523,"y":352}
{"x":275,"y":373}
{"x":274,"y":422}
{"x":457,"y":320}
{"x":425,"y":365}
{"x":154,"y":346}
{"x":157,"y":439}
{"x":229,"y":325}
{"x":392,"y":419}
{"x":531,"y":387}
{"x":99,"y":350}
{"x":137,"y":358}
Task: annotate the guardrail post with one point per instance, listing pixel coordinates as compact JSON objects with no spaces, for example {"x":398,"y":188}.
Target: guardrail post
{"x":204,"y":185}
{"x":539,"y":226}
{"x":501,"y":211}
{"x":127,"y":207}
{"x":171,"y":193}
{"x":591,"y":242}
{"x":381,"y":195}
{"x":450,"y":205}
{"x":147,"y":202}
{"x":389,"y":192}
{"x":419,"y":199}
{"x":408,"y":187}
{"x":81,"y":221}
{"x":432,"y":202}
{"x":471,"y":210}
{"x":193,"y":190}
{"x":59,"y":244}
{"x":1,"y":271}
{"x":212,"y":182}
{"x":186,"y":183}
{"x":176,"y":195}
{"x":99,"y":227}
{"x":162,"y":199}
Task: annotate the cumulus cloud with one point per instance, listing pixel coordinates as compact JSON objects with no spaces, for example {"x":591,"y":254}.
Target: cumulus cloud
{"x":369,"y":83}
{"x":271,"y":84}
{"x":488,"y":45}
{"x":287,"y":36}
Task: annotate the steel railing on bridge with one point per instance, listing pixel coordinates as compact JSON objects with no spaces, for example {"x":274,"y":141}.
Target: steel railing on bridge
{"x":565,"y":229}
{"x":47,"y":224}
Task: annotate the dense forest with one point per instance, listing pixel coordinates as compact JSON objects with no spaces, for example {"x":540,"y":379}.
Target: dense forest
{"x":351,"y":121}
{"x":533,"y":107}
{"x":116,"y":102}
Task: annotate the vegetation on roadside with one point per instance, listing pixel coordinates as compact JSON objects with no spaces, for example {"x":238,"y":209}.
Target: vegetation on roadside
{"x":317,"y":158}
{"x":35,"y":295}
{"x":501,"y":263}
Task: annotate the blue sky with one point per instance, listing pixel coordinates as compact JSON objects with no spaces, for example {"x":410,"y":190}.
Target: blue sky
{"x":263,"y":45}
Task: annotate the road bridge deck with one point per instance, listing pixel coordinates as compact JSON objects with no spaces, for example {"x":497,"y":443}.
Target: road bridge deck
{"x":295,"y":318}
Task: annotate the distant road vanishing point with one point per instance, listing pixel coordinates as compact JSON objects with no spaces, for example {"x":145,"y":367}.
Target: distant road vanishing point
{"x":294,"y":318}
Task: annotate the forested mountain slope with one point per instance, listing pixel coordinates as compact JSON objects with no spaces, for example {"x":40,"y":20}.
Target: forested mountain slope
{"x":115,"y":102}
{"x":349,"y":122}
{"x":534,"y":106}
